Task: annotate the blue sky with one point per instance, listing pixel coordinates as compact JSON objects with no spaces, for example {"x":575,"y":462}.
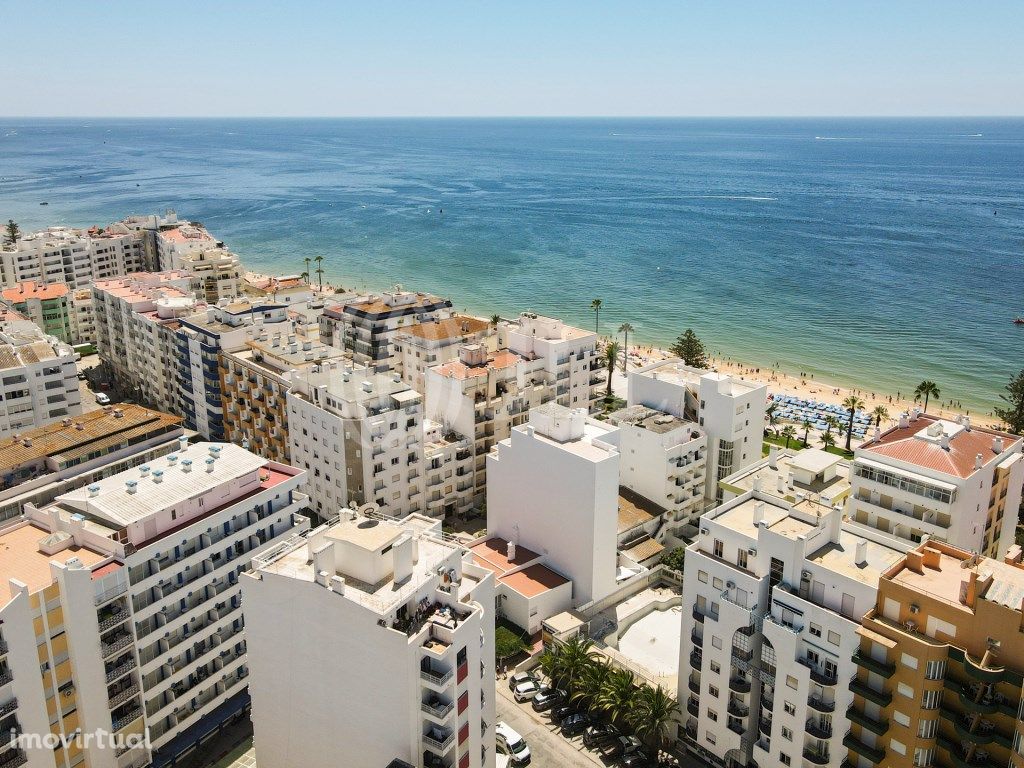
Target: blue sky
{"x":450,"y":57}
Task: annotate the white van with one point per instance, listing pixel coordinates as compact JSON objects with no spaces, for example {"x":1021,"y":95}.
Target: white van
{"x":512,"y":743}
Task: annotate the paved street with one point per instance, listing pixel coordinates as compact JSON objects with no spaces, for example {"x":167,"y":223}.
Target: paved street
{"x":547,"y":746}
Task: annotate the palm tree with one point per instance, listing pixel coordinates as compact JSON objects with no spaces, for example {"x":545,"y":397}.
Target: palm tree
{"x":611,"y":357}
{"x":653,"y":714}
{"x":617,"y":696}
{"x":788,"y":432}
{"x":305,"y":276}
{"x":880,"y":412}
{"x":625,"y":329}
{"x":306,"y":273}
{"x":772,"y":416}
{"x":806,"y":425}
{"x":592,"y":682}
{"x":831,"y":422}
{"x":11,"y":233}
{"x":320,"y":270}
{"x":852,"y":403}
{"x":495,"y":319}
{"x":926,"y":389}
{"x":569,"y":662}
{"x":828,"y":440}
{"x":596,"y":306}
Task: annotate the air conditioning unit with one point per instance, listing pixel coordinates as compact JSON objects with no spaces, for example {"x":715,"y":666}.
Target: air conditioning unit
{"x":914,"y":608}
{"x":752,"y":551}
{"x":730,"y":585}
{"x":805,"y":574}
{"x":704,"y":531}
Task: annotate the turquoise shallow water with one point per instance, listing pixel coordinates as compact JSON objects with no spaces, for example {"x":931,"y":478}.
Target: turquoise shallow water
{"x":876,"y":252}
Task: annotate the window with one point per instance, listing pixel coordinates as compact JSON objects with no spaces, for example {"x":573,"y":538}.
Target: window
{"x":934,"y":670}
{"x":741,"y":558}
{"x":787,"y":733}
{"x":791,"y":682}
{"x":905,"y":690}
{"x":713,"y":690}
{"x":702,"y":577}
{"x":709,"y":737}
{"x":926,"y":730}
{"x":775,"y":573}
{"x":719,"y":548}
{"x":784,"y":758}
{"x":901,"y":718}
{"x":712,"y":716}
{"x":716,"y":641}
{"x":923,"y":756}
{"x":717,"y":583}
{"x":789,"y":707}
{"x":716,"y":667}
{"x":931,"y":699}
{"x":815,"y":630}
{"x":898,"y":746}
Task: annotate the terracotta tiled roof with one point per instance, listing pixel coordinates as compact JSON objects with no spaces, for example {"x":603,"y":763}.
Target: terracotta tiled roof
{"x":491,"y":554}
{"x":635,"y":510}
{"x":457,"y":369}
{"x":453,"y":327}
{"x":534,"y":580}
{"x":903,"y":444}
{"x":645,"y":549}
{"x":32,"y":290}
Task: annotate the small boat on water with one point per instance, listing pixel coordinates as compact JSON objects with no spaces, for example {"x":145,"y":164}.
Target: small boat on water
{"x":1018,"y":320}
{"x":44,"y":203}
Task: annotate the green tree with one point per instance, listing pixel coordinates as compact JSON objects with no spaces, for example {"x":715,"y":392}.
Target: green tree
{"x":831,"y":422}
{"x":592,"y":682}
{"x":305,"y":276}
{"x":307,"y":272}
{"x":880,"y":412}
{"x":690,"y":349}
{"x":495,"y":319}
{"x":806,"y":425}
{"x":507,"y":643}
{"x":625,"y":329}
{"x":1013,"y":415}
{"x":611,"y":357}
{"x":852,"y":403}
{"x":772,"y":415}
{"x":652,"y":715}
{"x":828,"y":440}
{"x":926,"y":389}
{"x":320,"y":270}
{"x":674,"y":558}
{"x":788,"y":432}
{"x":11,"y":233}
{"x":567,"y":662}
{"x":616,"y":696}
{"x":595,"y":305}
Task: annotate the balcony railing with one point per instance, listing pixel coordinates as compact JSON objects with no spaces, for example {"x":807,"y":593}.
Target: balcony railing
{"x":438,"y":709}
{"x":439,"y":744}
{"x":435,"y":677}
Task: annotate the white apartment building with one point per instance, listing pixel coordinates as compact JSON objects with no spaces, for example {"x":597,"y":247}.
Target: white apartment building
{"x":483,"y":395}
{"x":773,"y":596}
{"x":730,"y":411}
{"x":791,"y":475}
{"x":569,"y":356}
{"x":72,"y":256}
{"x":367,"y":325}
{"x":137,"y":319}
{"x":82,"y":317}
{"x":189,"y":247}
{"x":38,"y":378}
{"x":553,"y":487}
{"x":663,"y":458}
{"x":447,"y":472}
{"x":370,"y":641}
{"x":131,"y":586}
{"x":359,"y":435}
{"x":948,"y":480}
{"x":421,"y":346}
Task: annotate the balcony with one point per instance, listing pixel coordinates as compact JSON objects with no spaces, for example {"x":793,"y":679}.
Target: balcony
{"x":882,"y":668}
{"x":439,"y":739}
{"x":9,"y":707}
{"x":820,"y":705}
{"x":698,"y":615}
{"x":960,"y":758}
{"x":858,"y":716}
{"x":818,"y":757}
{"x":818,"y":729}
{"x":693,"y":706}
{"x":881,"y":698}
{"x":697,"y":639}
{"x":738,"y":709}
{"x":437,"y":708}
{"x":696,"y":659}
{"x":739,"y":685}
{"x":694,"y":686}
{"x":436,"y":677}
{"x":819,"y":677}
{"x":874,"y":754}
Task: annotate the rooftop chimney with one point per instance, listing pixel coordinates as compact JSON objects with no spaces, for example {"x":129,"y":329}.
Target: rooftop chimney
{"x":144,"y":470}
{"x":510,"y":551}
{"x":131,"y":485}
{"x":403,"y":560}
{"x":158,"y":475}
{"x":997,"y":445}
{"x":944,"y":441}
{"x":79,"y":426}
{"x":773,"y":457}
{"x":186,"y":465}
{"x":861,"y":553}
{"x":904,"y":421}
{"x":758,"y":513}
{"x":94,"y":491}
{"x":979,"y":461}
{"x":209,"y":463}
{"x":172,"y":458}
{"x":182,"y":443}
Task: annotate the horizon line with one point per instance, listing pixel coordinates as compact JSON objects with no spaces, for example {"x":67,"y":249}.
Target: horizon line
{"x":523,"y":117}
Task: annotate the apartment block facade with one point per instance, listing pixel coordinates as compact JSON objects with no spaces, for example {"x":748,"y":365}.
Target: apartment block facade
{"x":371,"y":640}
{"x":217,"y":272}
{"x":73,"y":257}
{"x":947,"y":480}
{"x":421,"y":346}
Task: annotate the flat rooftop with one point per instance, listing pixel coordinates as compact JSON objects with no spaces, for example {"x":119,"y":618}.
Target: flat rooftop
{"x":945,"y":580}
{"x":30,"y":289}
{"x":740,"y":518}
{"x":841,"y":558}
{"x":788,"y":462}
{"x":677,"y":372}
{"x":650,"y":419}
{"x":21,"y":559}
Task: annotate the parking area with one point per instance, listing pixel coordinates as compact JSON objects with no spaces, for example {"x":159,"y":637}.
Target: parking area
{"x":547,"y":745}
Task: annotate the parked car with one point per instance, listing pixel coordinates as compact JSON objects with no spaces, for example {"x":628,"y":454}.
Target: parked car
{"x":575,"y":724}
{"x":598,"y":734}
{"x":635,"y":760}
{"x":102,"y":399}
{"x":548,"y":698}
{"x":623,"y":745}
{"x":558,"y":714}
{"x":514,"y":744}
{"x":520,"y":677}
{"x":526,"y":690}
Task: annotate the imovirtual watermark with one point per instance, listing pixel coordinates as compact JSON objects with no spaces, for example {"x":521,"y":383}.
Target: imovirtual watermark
{"x":99,"y":739}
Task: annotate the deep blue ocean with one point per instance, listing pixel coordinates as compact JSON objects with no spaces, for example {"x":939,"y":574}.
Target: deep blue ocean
{"x":875,"y":252}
